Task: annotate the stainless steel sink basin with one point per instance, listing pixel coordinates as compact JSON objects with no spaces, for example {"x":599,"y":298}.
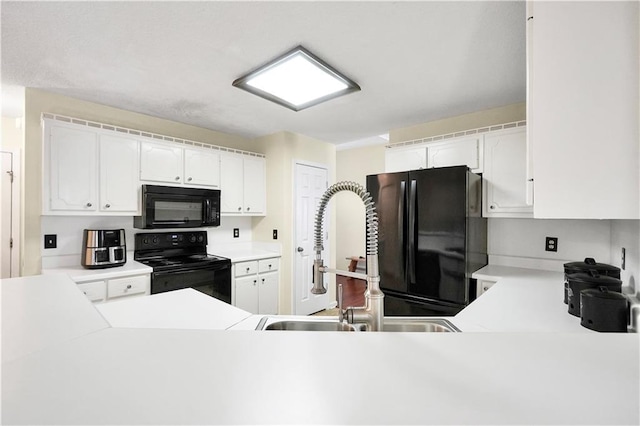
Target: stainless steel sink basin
{"x":309,"y":326}
{"x":391,"y":324}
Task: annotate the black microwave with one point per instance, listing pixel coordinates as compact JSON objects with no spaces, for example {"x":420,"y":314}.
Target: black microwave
{"x":177,"y":207}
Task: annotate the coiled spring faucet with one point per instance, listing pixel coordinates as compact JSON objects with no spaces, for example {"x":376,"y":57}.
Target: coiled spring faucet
{"x":372,"y":313}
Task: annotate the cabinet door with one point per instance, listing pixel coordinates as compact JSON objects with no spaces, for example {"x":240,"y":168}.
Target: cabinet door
{"x":584,"y":109}
{"x":246,"y":293}
{"x":402,"y":160}
{"x":456,"y":152}
{"x":268,"y":293}
{"x":160,"y":162}
{"x":254,"y":185}
{"x":118,"y":174}
{"x":505,"y":177}
{"x":483,"y":286}
{"x":201,"y":167}
{"x":73,"y":169}
{"x":231,"y":183}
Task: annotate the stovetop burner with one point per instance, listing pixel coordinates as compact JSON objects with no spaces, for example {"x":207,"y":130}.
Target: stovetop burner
{"x":169,"y":250}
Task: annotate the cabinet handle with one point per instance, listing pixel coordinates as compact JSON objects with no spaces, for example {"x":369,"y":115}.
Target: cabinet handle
{"x":269,"y":266}
{"x":189,"y":180}
{"x":239,"y":209}
{"x":248,"y":208}
{"x":263,"y":281}
{"x":128,"y":286}
{"x":255,"y":282}
{"x":177,"y":177}
{"x":485,"y":288}
{"x":248,"y":269}
{"x":492,"y":207}
{"x":89,"y":204}
{"x":107,"y":206}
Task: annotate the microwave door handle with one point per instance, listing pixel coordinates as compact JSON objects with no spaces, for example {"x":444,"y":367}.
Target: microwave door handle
{"x":207,"y":214}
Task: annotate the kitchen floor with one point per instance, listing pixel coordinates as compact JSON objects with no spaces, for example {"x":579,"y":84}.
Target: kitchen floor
{"x":352,"y":294}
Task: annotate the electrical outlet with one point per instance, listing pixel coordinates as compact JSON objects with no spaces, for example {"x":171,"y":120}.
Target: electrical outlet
{"x":551,"y":244}
{"x":50,"y":241}
{"x":236,"y":232}
{"x":275,"y":234}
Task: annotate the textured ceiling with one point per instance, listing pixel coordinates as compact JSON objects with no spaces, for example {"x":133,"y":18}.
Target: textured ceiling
{"x":415,"y":61}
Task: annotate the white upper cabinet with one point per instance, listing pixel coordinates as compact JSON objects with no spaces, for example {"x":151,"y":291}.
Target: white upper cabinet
{"x":254,"y":185}
{"x":88,"y":171}
{"x":404,"y":159}
{"x":177,"y":165}
{"x":201,"y":167}
{"x":161,"y":162}
{"x":505,"y":174}
{"x":70,"y":169}
{"x":583,"y":90}
{"x":242,"y":184}
{"x":465,"y":151}
{"x":118,"y":174}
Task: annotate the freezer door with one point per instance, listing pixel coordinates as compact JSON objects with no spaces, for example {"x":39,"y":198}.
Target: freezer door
{"x":436,"y":241}
{"x":389,"y":192}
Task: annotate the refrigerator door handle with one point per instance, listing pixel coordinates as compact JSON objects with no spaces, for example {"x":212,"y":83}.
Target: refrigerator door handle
{"x":402,"y":206}
{"x":411,"y":248}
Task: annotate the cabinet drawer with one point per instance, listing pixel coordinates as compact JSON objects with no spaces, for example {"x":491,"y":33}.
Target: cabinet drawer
{"x":246,"y":268}
{"x":95,"y":291}
{"x":268,"y":265}
{"x":127,"y":286}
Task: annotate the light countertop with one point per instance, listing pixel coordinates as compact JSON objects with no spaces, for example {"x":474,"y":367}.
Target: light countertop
{"x":180,"y":309}
{"x":144,"y":375}
{"x":81,"y":274}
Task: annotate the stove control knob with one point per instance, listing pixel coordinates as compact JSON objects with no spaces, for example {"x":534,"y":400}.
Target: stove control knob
{"x":192,"y":238}
{"x":145,"y":241}
{"x":155,"y":240}
{"x":200,"y":238}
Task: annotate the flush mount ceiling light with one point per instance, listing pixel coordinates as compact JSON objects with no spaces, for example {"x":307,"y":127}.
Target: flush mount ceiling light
{"x":297,"y":80}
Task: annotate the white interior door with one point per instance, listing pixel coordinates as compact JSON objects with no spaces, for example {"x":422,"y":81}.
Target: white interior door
{"x":310,"y":184}
{"x":6,"y":215}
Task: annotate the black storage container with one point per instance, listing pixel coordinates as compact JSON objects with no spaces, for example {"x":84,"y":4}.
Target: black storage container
{"x":587,"y":281}
{"x":586,"y":266}
{"x":603,"y":310}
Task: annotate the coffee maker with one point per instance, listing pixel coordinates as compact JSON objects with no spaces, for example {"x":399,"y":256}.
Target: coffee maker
{"x":103,"y":248}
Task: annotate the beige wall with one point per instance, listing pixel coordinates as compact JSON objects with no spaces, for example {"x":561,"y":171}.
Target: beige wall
{"x":355,"y":164}
{"x":11,"y":134}
{"x":282,"y":150}
{"x":505,"y":114}
{"x":37,"y":102}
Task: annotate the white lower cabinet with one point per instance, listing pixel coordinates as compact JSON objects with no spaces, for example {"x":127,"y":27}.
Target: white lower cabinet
{"x":483,"y":286}
{"x":255,"y":286}
{"x":115,"y":288}
{"x":95,"y":291}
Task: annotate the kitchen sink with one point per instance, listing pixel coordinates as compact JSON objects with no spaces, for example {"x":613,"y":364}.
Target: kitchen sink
{"x":391,"y":324}
{"x":308,"y":326}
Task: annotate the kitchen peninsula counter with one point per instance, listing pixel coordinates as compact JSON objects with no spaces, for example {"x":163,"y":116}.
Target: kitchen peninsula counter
{"x":167,"y":376}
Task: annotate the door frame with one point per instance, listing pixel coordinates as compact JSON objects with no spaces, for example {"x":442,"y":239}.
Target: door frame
{"x":330,"y":278}
{"x":16,"y":255}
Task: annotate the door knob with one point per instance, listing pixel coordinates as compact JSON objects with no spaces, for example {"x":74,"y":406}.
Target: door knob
{"x":300,"y":249}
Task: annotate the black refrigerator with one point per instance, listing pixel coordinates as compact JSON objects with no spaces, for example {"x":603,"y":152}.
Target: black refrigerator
{"x":432,"y":237}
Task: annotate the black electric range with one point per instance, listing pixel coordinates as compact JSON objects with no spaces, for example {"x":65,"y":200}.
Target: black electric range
{"x":180,"y":260}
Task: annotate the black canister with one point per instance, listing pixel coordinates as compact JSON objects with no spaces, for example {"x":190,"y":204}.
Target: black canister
{"x":586,"y":266}
{"x":587,"y":281}
{"x":603,"y":310}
